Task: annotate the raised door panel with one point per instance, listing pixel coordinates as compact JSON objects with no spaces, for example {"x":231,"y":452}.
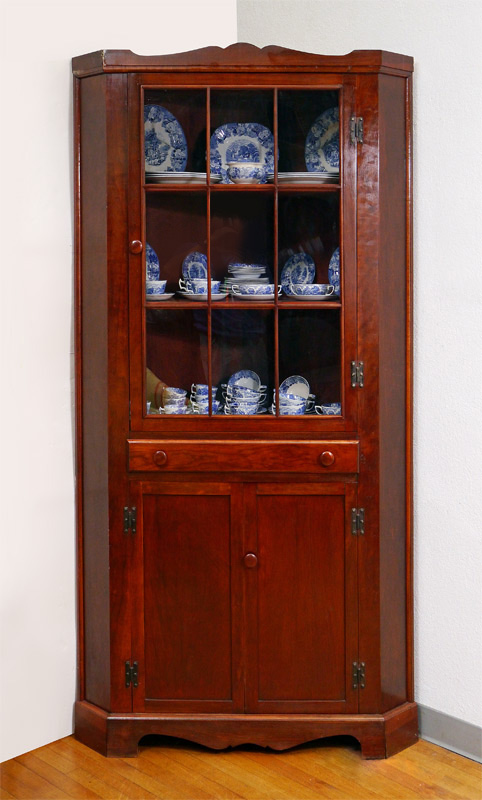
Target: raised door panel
{"x":302,"y":625}
{"x":187,"y":599}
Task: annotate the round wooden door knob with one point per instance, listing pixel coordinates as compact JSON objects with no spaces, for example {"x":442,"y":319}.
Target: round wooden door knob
{"x":135,"y":246}
{"x":250,"y":560}
{"x":327,"y":458}
{"x":160,"y":458}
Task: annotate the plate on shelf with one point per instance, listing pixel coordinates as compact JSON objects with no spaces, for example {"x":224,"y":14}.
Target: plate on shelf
{"x":259,"y":297}
{"x":299,"y":268}
{"x":322,"y":146}
{"x":309,"y":177}
{"x":164,"y":141}
{"x":202,"y":298}
{"x":241,"y":141}
{"x":180,"y":177}
{"x":152,"y":264}
{"x":313,"y":297}
{"x":195,"y":265}
{"x":334,"y":271}
{"x":156,"y":297}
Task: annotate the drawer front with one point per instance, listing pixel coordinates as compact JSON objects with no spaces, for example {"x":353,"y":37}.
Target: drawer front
{"x":146,"y":455}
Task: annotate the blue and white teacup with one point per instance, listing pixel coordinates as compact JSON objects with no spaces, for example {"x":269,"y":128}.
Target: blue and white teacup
{"x":174,"y":407}
{"x":329,"y":409}
{"x":198,"y":286}
{"x":244,"y":289}
{"x":246,"y":172}
{"x":200,"y":390}
{"x":173,"y":393}
{"x":155,"y":287}
{"x":310,"y":289}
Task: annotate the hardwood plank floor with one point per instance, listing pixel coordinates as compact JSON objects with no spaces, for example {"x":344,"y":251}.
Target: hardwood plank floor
{"x":178,"y":770}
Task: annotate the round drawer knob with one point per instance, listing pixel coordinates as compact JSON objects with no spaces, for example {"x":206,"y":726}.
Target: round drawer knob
{"x":160,"y":458}
{"x":136,"y":246}
{"x":250,"y":560}
{"x":327,"y":458}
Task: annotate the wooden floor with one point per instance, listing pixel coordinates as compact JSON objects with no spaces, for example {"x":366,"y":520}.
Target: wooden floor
{"x":176,"y":770}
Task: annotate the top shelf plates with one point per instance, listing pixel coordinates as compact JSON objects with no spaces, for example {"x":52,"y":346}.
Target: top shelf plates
{"x":241,"y":141}
{"x":165,"y":145}
{"x":322,"y":146}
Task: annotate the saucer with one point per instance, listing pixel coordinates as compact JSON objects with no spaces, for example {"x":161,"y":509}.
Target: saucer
{"x":156,"y":297}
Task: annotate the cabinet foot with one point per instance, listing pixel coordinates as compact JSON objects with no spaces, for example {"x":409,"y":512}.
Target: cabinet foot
{"x":380,"y":735}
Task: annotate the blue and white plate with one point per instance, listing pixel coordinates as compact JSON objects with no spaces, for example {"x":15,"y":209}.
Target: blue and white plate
{"x":299,"y":268}
{"x":334,"y":271}
{"x":165,"y":146}
{"x":152,"y":264}
{"x":241,"y":141}
{"x":195,"y":265}
{"x":322,"y":146}
{"x":247,"y":378}
{"x":296,"y":384}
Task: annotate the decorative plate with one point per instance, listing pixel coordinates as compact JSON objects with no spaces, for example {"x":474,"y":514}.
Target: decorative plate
{"x":152,"y":264}
{"x":241,"y":141}
{"x":299,"y":268}
{"x":296,"y":384}
{"x":322,"y":146}
{"x":165,"y":146}
{"x":245,"y":377}
{"x":334,"y":271}
{"x":195,"y":265}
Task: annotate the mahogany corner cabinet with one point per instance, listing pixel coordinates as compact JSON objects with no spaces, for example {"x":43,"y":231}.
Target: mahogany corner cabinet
{"x":243,"y":342}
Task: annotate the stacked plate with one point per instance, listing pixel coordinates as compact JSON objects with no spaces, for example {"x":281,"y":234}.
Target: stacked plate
{"x":308,"y":177}
{"x":180,"y":177}
{"x":245,"y":273}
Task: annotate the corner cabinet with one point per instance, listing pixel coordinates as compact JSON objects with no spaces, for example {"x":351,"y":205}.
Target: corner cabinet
{"x":244,"y":398}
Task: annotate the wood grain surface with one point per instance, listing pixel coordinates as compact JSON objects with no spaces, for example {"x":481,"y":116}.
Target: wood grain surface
{"x":177,"y":770}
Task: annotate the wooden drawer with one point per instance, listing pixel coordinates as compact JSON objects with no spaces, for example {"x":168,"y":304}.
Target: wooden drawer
{"x":174,"y":455}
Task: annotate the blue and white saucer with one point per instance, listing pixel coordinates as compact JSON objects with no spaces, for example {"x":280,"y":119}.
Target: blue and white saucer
{"x":152,"y":264}
{"x":195,"y":265}
{"x":322,"y":146}
{"x":334,"y":271}
{"x":299,"y":268}
{"x":165,"y":146}
{"x":241,"y":141}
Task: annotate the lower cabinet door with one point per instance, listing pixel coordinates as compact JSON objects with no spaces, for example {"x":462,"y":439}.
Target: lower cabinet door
{"x":300,"y":574}
{"x":188,"y":589}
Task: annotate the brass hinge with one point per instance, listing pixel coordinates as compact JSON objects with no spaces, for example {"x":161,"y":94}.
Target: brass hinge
{"x":356,"y":130}
{"x":357,"y":374}
{"x":131,"y":674}
{"x":130,"y":519}
{"x":358,"y":675}
{"x":358,"y":521}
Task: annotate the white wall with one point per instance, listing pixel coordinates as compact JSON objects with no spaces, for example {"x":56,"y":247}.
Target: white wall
{"x":444,"y":37}
{"x":37,"y":595}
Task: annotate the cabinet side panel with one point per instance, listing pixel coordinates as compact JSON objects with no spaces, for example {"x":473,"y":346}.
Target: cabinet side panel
{"x":392,"y":363}
{"x":94,"y":389}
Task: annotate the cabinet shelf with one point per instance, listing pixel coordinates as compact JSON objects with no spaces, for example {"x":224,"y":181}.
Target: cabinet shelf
{"x":246,"y":304}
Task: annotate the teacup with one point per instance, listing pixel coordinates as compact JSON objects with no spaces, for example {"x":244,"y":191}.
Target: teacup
{"x":155,"y":287}
{"x":310,"y":289}
{"x":329,"y":409}
{"x":246,"y":172}
{"x":198,"y":286}
{"x":202,"y":390}
{"x":244,"y":289}
{"x":173,"y":393}
{"x":174,"y":407}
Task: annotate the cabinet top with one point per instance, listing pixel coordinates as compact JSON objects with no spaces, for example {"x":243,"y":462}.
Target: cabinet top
{"x":266,"y":59}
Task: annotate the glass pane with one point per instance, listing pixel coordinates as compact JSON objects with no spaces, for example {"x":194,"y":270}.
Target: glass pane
{"x":309,"y":224}
{"x":175,"y":131}
{"x":242,"y":232}
{"x":310,"y":347}
{"x":175,"y":227}
{"x":243,"y":359}
{"x":176,"y":359}
{"x":241,"y":129}
{"x":308,"y":131}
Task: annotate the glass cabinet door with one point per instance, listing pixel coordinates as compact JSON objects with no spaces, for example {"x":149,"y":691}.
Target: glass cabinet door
{"x":242,"y":299}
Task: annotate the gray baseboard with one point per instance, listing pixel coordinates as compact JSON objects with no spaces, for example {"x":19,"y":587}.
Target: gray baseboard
{"x":450,"y":732}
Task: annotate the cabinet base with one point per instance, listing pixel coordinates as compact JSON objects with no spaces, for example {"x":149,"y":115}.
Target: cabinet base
{"x":380,"y":735}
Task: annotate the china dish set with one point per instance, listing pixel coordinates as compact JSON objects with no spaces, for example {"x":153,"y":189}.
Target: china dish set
{"x":245,"y":281}
{"x":240,"y":152}
{"x":244,"y":394}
